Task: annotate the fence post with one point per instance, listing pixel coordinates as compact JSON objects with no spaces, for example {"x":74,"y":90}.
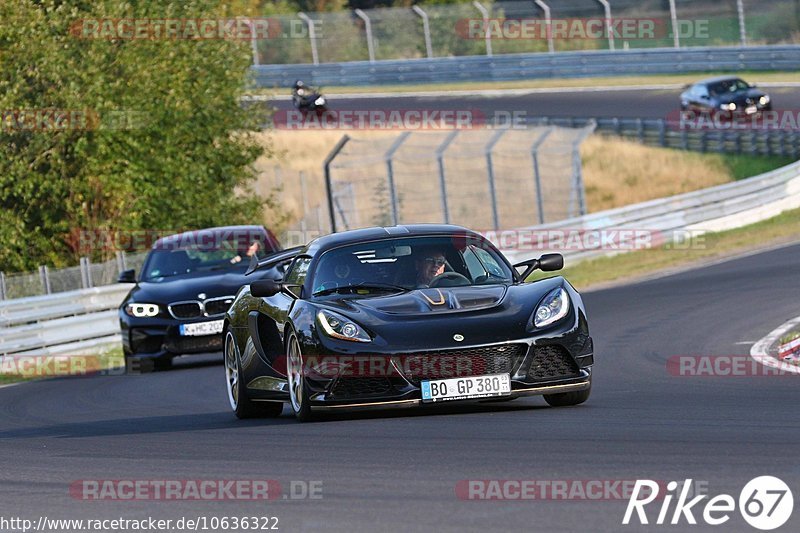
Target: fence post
{"x":742,"y":29}
{"x":662,"y":132}
{"x":390,"y":175}
{"x":577,"y":166}
{"x":3,"y":290}
{"x":536,"y":175}
{"x":121,"y":266}
{"x":487,"y":33}
{"x":609,"y":28}
{"x":673,"y":15}
{"x":548,"y":22}
{"x":253,"y":42}
{"x":312,"y":35}
{"x":490,"y":175}
{"x":304,"y":203}
{"x":640,"y":130}
{"x":326,"y":165}
{"x":368,"y":28}
{"x":426,"y":29}
{"x":44,"y":275}
{"x":442,"y":181}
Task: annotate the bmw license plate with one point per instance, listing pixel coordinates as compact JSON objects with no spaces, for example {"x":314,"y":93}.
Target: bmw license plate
{"x":750,"y":109}
{"x":198,"y":329}
{"x":466,"y":388}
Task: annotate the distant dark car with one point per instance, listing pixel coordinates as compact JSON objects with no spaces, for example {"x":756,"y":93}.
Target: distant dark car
{"x":403,"y":316}
{"x":726,"y":95}
{"x":186,"y":285}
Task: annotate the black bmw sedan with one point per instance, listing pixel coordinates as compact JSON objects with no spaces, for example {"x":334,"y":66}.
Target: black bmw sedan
{"x":403,"y":316}
{"x":725,"y":95}
{"x":187,"y":283}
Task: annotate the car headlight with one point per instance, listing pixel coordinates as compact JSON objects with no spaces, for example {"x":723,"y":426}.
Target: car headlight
{"x":140,"y":310}
{"x":319,"y":101}
{"x":552,"y":308}
{"x":339,"y":327}
{"x":728,"y":107}
{"x":764,"y":100}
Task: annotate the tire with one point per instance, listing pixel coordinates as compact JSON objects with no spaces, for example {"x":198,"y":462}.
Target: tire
{"x":566,"y":399}
{"x":242,"y":406}
{"x":298,"y":392}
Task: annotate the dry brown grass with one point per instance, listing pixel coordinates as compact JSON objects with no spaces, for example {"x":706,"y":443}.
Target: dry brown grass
{"x":617,"y":172}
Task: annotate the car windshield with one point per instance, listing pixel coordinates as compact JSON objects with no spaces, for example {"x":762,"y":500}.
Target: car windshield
{"x":727,"y":86}
{"x":409,"y":263}
{"x":197,"y":259}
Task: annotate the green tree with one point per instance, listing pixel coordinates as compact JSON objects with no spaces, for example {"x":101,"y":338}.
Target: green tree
{"x":166,"y":143}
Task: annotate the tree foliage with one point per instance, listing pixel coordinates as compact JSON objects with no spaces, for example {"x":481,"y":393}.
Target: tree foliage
{"x":166,"y":144}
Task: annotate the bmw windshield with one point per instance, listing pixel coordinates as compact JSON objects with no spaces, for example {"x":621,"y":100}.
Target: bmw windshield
{"x":404,"y":264}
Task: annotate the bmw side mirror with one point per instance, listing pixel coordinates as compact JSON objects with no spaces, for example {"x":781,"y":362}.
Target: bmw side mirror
{"x":127,"y":276}
{"x":264,"y":288}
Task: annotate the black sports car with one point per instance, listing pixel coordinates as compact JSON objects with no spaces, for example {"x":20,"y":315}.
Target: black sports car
{"x":724,"y":95}
{"x":186,"y":285}
{"x":402,"y":316}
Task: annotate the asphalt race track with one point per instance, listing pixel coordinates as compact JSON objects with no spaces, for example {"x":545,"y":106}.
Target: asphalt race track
{"x":397,"y":470}
{"x":628,"y":103}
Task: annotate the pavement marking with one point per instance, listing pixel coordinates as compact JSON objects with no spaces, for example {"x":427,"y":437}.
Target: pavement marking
{"x":760,"y":350}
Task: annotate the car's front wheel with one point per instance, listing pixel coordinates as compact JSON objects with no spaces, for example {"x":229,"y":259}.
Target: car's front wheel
{"x":566,"y":399}
{"x":241,"y":404}
{"x":298,"y":392}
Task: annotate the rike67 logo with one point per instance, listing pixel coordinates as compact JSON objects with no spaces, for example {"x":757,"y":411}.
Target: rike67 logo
{"x":765,"y":503}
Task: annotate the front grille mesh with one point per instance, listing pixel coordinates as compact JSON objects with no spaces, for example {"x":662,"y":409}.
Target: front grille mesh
{"x":350,"y":387}
{"x":207,"y":343}
{"x":186,"y":310}
{"x":551,"y":362}
{"x":497,"y":359}
{"x":218,"y":307}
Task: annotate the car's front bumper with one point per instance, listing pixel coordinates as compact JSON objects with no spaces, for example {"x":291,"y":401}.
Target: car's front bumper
{"x":160,"y":337}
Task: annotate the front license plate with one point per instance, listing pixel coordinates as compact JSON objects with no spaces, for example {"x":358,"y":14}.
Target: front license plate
{"x":750,"y":110}
{"x":465,"y":388}
{"x":199,"y":329}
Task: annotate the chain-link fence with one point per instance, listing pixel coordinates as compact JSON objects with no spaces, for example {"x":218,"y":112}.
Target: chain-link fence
{"x":48,"y":280}
{"x":502,"y":27}
{"x":484,"y":179}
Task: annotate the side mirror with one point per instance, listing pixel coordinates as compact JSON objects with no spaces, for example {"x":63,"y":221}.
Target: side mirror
{"x":264,"y":288}
{"x":546,"y":263}
{"x":127,"y":276}
{"x":551,"y":262}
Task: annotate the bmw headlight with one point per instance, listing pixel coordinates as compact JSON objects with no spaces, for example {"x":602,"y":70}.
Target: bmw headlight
{"x":764,"y":100}
{"x":140,"y":310}
{"x":319,"y":101}
{"x":552,"y":308}
{"x":728,"y":107}
{"x":339,"y":327}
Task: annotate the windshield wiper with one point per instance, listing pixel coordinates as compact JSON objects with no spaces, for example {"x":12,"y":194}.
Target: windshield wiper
{"x":367,"y":286}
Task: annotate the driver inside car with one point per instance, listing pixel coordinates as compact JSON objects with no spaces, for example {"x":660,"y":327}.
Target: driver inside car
{"x":429,"y":265}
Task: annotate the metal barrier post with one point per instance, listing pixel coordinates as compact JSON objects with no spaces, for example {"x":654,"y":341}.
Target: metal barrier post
{"x":490,"y":174}
{"x":304,"y":201}
{"x":3,"y":290}
{"x":121,"y":266}
{"x":44,"y":275}
{"x":368,"y":28}
{"x":312,"y":35}
{"x":742,"y":29}
{"x":548,"y":22}
{"x":327,"y":169}
{"x":426,"y":29}
{"x":577,"y":169}
{"x":536,"y":175}
{"x":673,"y":15}
{"x":390,"y":174}
{"x":442,"y":181}
{"x":609,"y":28}
{"x":487,"y":33}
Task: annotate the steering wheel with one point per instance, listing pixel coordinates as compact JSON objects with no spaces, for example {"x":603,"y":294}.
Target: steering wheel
{"x":449,"y":276}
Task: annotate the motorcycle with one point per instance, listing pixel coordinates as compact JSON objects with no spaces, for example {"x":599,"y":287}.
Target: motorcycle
{"x":309,"y":99}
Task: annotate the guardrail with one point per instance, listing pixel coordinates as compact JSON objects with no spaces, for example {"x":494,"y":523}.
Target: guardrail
{"x":510,"y":67}
{"x":719,"y":208}
{"x":673,"y":133}
{"x":65,"y":322}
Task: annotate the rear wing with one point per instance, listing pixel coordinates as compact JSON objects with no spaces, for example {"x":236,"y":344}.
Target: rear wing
{"x":273,"y":259}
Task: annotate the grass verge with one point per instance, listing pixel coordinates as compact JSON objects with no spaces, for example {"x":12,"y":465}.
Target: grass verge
{"x":783,"y":228}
